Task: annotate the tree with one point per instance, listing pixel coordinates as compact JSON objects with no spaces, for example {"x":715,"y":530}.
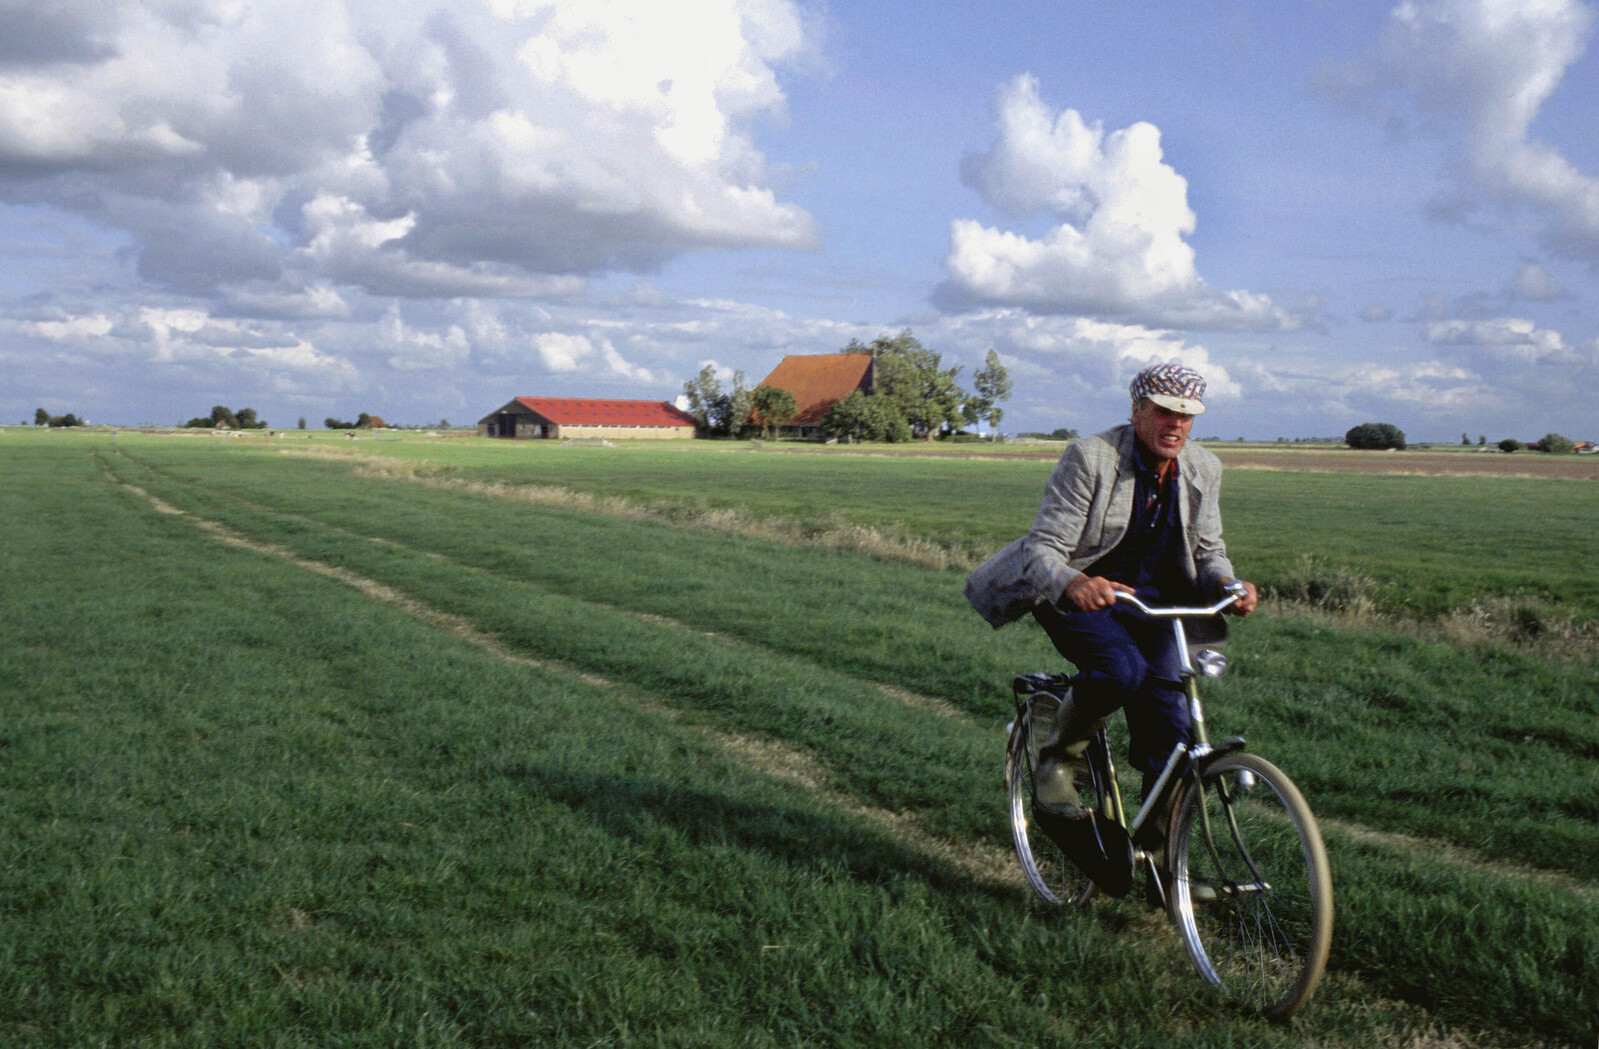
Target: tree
{"x":41,"y":418}
{"x":64,"y":420}
{"x":1556,"y":444}
{"x":1375,"y":435}
{"x":737,"y":407}
{"x":704,"y":393}
{"x":302,"y":422}
{"x":1510,"y":444}
{"x":992,"y":385}
{"x":912,"y":379}
{"x":775,"y":407}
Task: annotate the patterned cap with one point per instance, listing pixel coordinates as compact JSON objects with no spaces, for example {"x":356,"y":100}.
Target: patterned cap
{"x":1172,"y":386}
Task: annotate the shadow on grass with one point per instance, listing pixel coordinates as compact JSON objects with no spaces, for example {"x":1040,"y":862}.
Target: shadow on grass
{"x":647,"y":812}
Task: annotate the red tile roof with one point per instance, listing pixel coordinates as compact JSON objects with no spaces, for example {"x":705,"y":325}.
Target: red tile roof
{"x":583,"y":411}
{"x":819,"y":380}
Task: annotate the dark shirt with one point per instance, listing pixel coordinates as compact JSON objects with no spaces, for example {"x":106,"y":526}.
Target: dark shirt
{"x":1148,"y":558}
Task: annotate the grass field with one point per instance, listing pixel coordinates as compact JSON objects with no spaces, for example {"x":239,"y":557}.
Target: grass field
{"x":321,"y":751}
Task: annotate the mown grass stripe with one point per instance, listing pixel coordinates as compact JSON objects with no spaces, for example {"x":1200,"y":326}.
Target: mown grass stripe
{"x":985,"y":864}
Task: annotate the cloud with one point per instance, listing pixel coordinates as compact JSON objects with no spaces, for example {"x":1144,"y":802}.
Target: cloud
{"x":1119,"y":248}
{"x":1513,"y":339}
{"x":1431,"y":386}
{"x":1534,"y":283}
{"x":1074,"y":368}
{"x":1478,"y":72}
{"x":497,"y":147}
{"x":563,"y":352}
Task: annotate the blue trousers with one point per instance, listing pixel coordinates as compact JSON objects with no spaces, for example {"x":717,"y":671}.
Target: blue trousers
{"x":1129,"y":663}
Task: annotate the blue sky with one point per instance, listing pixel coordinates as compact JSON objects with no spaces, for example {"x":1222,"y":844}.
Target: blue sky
{"x":1340,"y":213}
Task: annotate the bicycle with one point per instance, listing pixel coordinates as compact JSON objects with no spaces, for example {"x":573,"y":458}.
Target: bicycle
{"x":1242,"y":872}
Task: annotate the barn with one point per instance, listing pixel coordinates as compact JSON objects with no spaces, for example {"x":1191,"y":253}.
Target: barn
{"x":533,"y":418}
{"x":818,"y":381}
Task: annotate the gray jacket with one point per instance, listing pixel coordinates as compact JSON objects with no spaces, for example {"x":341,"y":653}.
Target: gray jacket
{"x":1087,"y":506}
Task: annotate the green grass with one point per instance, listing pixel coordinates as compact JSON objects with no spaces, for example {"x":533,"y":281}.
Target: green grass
{"x":1418,"y":546}
{"x":249,"y":805}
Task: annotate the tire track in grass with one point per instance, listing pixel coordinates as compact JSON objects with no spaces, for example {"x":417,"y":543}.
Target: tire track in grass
{"x":985,"y":865}
{"x":941,"y":707}
{"x":1432,"y":848}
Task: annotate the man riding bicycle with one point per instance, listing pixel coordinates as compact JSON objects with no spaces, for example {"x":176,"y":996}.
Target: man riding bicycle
{"x":1133,"y":509}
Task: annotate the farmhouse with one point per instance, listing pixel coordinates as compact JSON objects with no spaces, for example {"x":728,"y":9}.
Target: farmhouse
{"x":818,"y":381}
{"x":532,"y":418}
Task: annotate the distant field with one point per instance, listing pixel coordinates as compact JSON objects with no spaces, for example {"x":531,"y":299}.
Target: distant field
{"x":1417,"y":534}
{"x":300,"y":751}
{"x":1462,"y":462}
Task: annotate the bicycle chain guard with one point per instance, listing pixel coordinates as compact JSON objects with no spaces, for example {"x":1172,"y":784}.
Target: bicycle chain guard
{"x":1100,"y":848}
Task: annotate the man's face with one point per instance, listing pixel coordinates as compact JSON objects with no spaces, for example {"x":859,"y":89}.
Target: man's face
{"x":1161,"y":431}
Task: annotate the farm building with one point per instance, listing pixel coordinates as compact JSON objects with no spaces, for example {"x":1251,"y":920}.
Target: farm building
{"x":818,"y":381}
{"x":531,"y":418}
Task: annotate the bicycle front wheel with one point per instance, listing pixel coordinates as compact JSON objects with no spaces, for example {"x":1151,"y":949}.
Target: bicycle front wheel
{"x":1252,"y":891}
{"x":1049,"y":873}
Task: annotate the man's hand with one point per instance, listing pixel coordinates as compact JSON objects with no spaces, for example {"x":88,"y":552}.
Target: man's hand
{"x":1090,"y":592}
{"x":1244,"y":605}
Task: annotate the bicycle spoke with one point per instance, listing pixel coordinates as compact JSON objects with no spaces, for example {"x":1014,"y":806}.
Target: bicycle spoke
{"x":1264,"y":937}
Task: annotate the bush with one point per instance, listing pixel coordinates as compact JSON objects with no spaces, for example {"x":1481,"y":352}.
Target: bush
{"x":1375,"y":435}
{"x":1556,"y":444}
{"x":1510,"y":444}
{"x":224,"y":418}
{"x":866,"y":417}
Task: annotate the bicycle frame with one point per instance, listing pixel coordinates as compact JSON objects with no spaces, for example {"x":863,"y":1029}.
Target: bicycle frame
{"x":1160,"y":792}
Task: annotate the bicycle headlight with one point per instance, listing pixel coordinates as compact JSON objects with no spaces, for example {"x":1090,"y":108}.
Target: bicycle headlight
{"x":1211,"y":663}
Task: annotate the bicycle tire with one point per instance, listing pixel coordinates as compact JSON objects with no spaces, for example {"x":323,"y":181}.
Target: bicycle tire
{"x":1051,"y":876}
{"x":1262,"y":940}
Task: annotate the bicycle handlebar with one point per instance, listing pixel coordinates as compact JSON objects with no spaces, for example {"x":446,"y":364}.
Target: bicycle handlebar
{"x":1234,"y":591}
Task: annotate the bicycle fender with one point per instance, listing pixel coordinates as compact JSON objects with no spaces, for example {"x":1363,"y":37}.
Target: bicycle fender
{"x":1227,"y":746}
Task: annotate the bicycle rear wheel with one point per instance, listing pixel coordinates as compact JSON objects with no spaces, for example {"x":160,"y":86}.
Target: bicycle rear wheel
{"x":1049,"y":873}
{"x":1252,"y":892}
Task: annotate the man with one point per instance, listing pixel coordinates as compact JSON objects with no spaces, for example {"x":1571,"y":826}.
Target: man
{"x":1133,"y":509}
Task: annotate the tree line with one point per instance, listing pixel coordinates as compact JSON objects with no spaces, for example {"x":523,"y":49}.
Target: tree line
{"x":1386,"y":435}
{"x":41,"y":417}
{"x":913,"y":396}
{"x":224,"y":418}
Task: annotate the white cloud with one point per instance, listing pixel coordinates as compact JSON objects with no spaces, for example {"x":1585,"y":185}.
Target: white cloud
{"x":494,"y":147}
{"x":73,"y":328}
{"x":1479,"y":72}
{"x":1515,"y":339}
{"x":410,"y":349}
{"x":1075,"y":367}
{"x":1119,"y":249}
{"x":563,"y":352}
